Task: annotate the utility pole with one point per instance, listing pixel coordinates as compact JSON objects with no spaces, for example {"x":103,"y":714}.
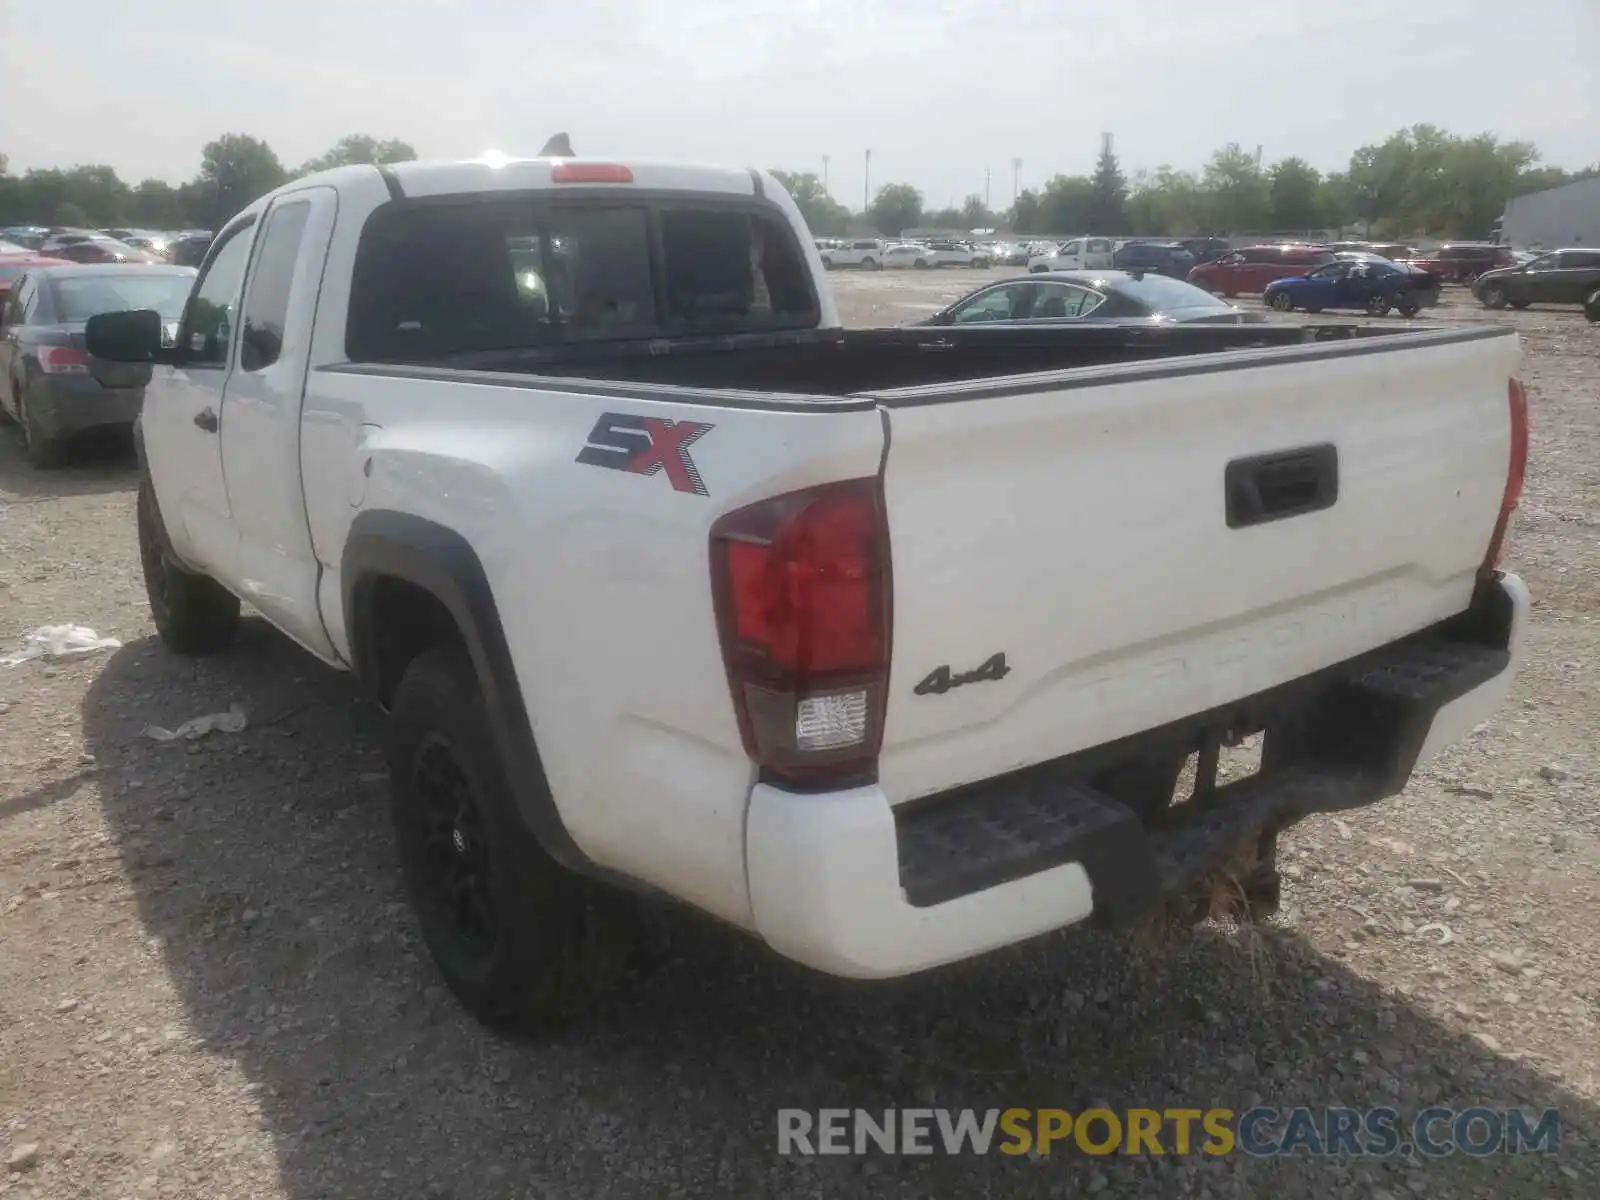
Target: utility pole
{"x":1016,"y":180}
{"x":986,"y":188}
{"x":825,"y":158}
{"x":866,"y":185}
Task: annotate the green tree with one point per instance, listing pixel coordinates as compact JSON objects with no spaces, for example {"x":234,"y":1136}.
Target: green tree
{"x":156,"y":204}
{"x":1024,"y":215}
{"x":235,"y":171}
{"x":1109,"y":192}
{"x":824,"y":215}
{"x":1239,"y":194}
{"x":896,"y":207}
{"x":356,"y":148}
{"x":1167,"y":202}
{"x":1293,"y":192}
{"x":69,"y":213}
{"x":1066,"y":205}
{"x":975,"y":213}
{"x":944,"y":218}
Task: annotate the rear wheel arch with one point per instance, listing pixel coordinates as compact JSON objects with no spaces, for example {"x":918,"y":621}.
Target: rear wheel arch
{"x":411,"y":584}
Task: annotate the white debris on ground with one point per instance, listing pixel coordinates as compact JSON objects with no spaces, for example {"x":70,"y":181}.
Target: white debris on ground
{"x":232,"y":721}
{"x":60,"y":641}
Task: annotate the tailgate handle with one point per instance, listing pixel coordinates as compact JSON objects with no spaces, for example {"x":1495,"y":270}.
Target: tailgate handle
{"x":1288,"y":483}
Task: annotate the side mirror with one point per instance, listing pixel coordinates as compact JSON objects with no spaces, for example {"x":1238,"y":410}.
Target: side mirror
{"x":125,"y":337}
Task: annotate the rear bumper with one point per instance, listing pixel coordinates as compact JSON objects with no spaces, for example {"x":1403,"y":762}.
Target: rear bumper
{"x":850,"y":885}
{"x":63,"y":405}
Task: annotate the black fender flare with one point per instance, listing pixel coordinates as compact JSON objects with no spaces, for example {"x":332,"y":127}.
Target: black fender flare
{"x":386,"y":544}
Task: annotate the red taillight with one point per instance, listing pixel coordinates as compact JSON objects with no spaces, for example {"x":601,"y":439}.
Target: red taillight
{"x":1516,"y":470}
{"x":801,"y":584}
{"x":580,"y":172}
{"x":63,"y":360}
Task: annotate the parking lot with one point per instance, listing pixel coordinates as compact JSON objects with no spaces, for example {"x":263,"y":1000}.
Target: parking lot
{"x":210,"y":985}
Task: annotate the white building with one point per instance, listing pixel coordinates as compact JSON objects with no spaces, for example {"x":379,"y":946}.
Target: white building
{"x":1568,"y":215}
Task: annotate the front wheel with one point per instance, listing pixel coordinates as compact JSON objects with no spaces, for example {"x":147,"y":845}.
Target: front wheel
{"x":194,"y":614}
{"x":869,"y":264}
{"x":1378,"y":306}
{"x":921,"y":264}
{"x":1282,"y":302}
{"x":1494,"y":296}
{"x":521,"y":941}
{"x":1410,"y":309}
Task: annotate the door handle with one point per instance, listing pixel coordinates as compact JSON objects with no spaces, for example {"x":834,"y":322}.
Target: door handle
{"x":207,"y":420}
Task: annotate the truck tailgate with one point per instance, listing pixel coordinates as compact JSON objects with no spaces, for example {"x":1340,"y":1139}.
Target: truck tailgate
{"x":1081,"y":525}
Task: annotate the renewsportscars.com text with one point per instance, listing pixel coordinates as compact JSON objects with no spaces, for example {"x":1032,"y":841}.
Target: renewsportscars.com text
{"x":1260,"y":1132}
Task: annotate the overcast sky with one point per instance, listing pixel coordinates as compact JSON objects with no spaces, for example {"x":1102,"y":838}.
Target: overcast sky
{"x":940,"y":90}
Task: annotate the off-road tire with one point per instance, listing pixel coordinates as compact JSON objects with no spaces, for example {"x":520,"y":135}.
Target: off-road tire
{"x":523,"y":943}
{"x":194,"y":614}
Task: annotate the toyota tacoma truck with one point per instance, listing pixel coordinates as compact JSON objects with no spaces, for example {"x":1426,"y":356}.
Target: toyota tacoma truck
{"x":886,"y":646}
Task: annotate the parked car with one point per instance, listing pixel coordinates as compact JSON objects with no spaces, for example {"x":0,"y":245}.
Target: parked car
{"x":865,"y":253}
{"x":1462,"y":262}
{"x":1254,"y":267}
{"x":14,"y":266}
{"x":1009,"y":254}
{"x":1077,"y":254}
{"x":30,"y":237}
{"x":907,"y":254}
{"x":104,"y":250}
{"x":1165,"y":258}
{"x":49,"y":384}
{"x":188,"y":249}
{"x":1560,"y":277}
{"x":947,"y":253}
{"x":623,"y":580}
{"x":1091,"y":296}
{"x":1205,"y":249}
{"x":1365,"y":281}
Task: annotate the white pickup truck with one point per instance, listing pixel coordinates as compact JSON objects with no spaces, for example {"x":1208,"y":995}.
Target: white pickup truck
{"x":885,"y":646}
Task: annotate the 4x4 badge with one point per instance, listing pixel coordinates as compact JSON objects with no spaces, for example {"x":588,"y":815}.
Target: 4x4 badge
{"x":940,"y":680}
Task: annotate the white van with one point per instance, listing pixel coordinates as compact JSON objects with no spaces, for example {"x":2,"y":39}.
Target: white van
{"x":1079,"y":253}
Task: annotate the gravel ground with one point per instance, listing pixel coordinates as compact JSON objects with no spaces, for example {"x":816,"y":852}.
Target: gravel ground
{"x":210,"y":987}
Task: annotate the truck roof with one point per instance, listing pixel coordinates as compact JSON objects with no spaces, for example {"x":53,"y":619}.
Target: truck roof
{"x":500,"y":173}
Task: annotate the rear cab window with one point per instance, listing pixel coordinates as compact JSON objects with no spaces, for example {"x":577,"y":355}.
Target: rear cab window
{"x":467,"y":274}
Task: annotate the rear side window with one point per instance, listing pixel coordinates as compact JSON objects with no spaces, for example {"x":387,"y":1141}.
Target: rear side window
{"x":1263,"y":254}
{"x":439,"y":278}
{"x":266,"y":306}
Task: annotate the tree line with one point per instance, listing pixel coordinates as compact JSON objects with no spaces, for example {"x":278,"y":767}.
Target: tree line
{"x":235,"y":170}
{"x":1421,"y":180}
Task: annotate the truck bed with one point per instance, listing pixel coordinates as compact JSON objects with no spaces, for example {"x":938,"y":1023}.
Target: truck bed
{"x":857,"y":362}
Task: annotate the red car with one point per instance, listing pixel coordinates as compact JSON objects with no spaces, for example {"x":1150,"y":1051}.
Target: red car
{"x":1462,"y":262}
{"x":14,"y":266}
{"x":1251,"y":269}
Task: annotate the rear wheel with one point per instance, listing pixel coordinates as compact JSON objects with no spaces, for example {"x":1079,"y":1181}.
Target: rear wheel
{"x":522,"y":942}
{"x":869,"y":264}
{"x":1591,"y":305}
{"x":1282,"y":302}
{"x":5,"y":414}
{"x":194,"y":614}
{"x":42,"y":450}
{"x":1494,"y":296}
{"x":1410,"y":308}
{"x":1519,"y":305}
{"x":921,"y":264}
{"x":1378,"y":306}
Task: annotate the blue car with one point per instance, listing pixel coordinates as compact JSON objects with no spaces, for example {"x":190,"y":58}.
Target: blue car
{"x":1364,"y":281}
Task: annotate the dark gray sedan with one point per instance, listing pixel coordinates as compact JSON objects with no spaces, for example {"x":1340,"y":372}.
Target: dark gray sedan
{"x":46,"y":385}
{"x":1052,"y":296}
